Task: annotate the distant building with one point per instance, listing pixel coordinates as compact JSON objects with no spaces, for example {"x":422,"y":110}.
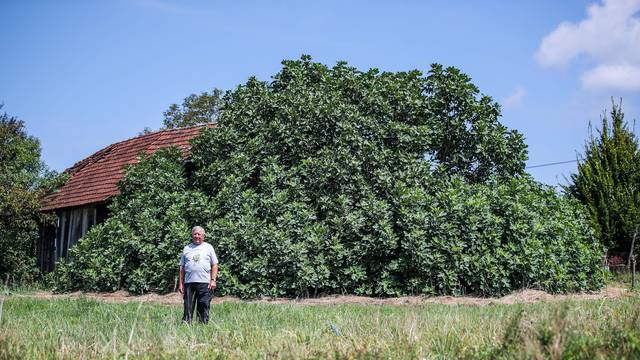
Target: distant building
{"x":82,"y":202}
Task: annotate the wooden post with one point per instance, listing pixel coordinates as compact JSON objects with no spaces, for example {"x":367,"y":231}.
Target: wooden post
{"x":632,"y":258}
{"x":633,"y":272}
{"x":633,"y":245}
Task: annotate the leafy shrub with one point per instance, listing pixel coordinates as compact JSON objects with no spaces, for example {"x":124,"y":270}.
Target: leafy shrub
{"x":18,"y":265}
{"x":495,"y":238}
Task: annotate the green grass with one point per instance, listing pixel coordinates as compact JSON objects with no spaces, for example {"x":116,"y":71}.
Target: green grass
{"x":82,"y":328}
{"x":622,"y":279}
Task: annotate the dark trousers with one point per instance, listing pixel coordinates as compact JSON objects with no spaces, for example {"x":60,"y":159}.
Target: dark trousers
{"x":196,"y":293}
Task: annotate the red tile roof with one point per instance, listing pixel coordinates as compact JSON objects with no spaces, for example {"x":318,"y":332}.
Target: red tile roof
{"x":95,"y":178}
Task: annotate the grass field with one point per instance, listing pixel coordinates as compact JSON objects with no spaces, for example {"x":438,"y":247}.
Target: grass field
{"x":83,"y":328}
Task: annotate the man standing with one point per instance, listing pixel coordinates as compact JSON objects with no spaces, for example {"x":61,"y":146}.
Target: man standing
{"x":198,"y":273}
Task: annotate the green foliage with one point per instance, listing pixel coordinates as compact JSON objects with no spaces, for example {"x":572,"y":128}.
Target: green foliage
{"x":466,"y":137}
{"x":495,"y":238}
{"x":195,"y":110}
{"x":335,"y":180}
{"x":137,"y":248}
{"x":608,"y":181}
{"x":24,"y":181}
{"x":332,"y":180}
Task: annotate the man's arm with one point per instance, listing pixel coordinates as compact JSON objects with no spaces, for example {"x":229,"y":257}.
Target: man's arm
{"x":181,"y":280}
{"x":214,"y":276}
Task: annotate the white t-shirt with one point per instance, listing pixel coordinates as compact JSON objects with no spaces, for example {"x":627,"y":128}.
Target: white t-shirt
{"x":197,"y":261}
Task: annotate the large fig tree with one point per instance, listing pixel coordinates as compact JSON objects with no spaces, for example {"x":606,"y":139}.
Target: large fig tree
{"x":328,"y":180}
{"x":332,"y":180}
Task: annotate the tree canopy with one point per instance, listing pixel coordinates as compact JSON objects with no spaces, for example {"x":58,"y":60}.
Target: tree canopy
{"x":195,"y":110}
{"x":24,"y":181}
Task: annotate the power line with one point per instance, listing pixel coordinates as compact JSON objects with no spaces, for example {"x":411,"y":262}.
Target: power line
{"x":550,"y":164}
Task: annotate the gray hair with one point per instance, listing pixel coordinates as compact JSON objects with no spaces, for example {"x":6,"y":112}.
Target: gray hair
{"x":199,"y":228}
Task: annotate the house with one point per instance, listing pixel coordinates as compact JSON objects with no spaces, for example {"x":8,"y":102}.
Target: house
{"x":83,"y":200}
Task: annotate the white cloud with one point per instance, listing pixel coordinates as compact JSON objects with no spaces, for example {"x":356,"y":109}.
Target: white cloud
{"x":624,"y":77}
{"x":515,"y":98}
{"x":609,"y":37}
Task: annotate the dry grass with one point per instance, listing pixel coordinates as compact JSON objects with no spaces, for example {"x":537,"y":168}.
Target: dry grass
{"x":614,"y":291}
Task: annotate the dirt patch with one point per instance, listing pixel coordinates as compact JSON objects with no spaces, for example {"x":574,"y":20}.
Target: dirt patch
{"x":524,"y":296}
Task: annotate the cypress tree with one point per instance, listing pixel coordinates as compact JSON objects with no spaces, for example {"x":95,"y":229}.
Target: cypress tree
{"x":608,"y":181}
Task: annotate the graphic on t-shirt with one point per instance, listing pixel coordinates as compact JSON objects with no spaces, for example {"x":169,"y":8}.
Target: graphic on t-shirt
{"x":196,"y":258}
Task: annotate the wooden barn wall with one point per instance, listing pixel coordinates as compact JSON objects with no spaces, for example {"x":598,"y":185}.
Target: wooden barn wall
{"x":72,"y":224}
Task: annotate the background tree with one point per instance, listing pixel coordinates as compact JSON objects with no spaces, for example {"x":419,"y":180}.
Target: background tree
{"x":608,"y":181}
{"x":195,"y":110}
{"x":24,"y":181}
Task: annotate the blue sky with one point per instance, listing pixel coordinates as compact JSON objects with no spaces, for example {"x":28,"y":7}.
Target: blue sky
{"x":85,"y":74}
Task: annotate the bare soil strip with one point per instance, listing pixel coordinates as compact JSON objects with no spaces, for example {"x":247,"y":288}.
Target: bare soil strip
{"x":522,"y":297}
